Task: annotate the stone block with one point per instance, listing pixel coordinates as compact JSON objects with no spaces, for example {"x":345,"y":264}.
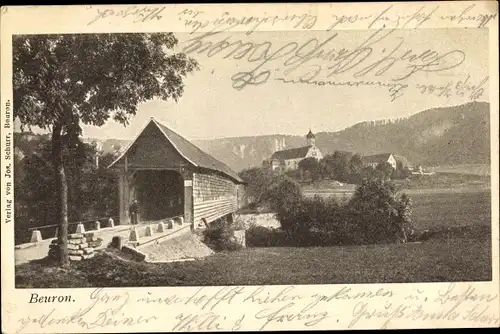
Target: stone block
{"x":97,"y":225}
{"x":160,"y":228}
{"x":117,"y":242}
{"x":75,"y":257}
{"x":88,"y":250}
{"x":75,"y":236}
{"x":111,"y":222}
{"x":149,"y":231}
{"x":180,"y":220}
{"x":76,"y":252}
{"x":134,"y":236}
{"x":73,"y":246}
{"x":36,"y":236}
{"x":95,"y":244}
{"x":76,"y":241}
{"x":170,"y":224}
{"x":88,"y":256}
{"x":80,"y":228}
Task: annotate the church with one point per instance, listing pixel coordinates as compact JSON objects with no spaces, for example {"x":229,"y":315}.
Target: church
{"x":289,"y":159}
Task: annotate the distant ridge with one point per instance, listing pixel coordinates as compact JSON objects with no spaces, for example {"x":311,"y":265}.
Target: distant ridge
{"x":439,"y":136}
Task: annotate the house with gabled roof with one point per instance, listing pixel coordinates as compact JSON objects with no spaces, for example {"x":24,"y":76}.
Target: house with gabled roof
{"x":171,"y":177}
{"x":289,"y":159}
{"x":404,"y":163}
{"x":376,"y":159}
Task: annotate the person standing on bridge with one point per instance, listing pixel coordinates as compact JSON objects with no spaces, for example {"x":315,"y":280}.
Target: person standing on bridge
{"x":133,"y":211}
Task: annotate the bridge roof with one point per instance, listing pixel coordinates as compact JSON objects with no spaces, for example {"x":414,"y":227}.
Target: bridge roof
{"x":188,"y":151}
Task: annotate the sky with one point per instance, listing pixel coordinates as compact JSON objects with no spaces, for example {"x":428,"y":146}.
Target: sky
{"x":212,"y":108}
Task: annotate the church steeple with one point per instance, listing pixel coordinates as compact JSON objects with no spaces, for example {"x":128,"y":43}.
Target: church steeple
{"x":311,"y":138}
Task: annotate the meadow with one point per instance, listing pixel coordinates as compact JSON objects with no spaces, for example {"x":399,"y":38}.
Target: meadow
{"x":461,"y":251}
{"x":438,"y":208}
{"x":432,"y":261}
{"x":470,"y":169}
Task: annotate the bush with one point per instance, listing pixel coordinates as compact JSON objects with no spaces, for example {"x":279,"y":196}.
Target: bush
{"x":259,"y":236}
{"x":376,"y":215}
{"x":285,"y":199}
{"x":373,"y":215}
{"x":258,"y":181}
{"x":221,"y":238}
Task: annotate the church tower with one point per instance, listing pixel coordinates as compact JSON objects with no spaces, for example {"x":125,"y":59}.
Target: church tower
{"x":311,"y":138}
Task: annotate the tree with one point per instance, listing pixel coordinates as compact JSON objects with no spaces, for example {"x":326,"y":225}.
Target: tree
{"x":337,"y":165}
{"x":91,"y":191}
{"x":384,"y":170}
{"x":404,"y":221}
{"x":373,"y":209}
{"x":312,"y":167}
{"x":368,"y":172}
{"x":258,"y":181}
{"x":379,"y":215}
{"x":285,"y":199}
{"x":355,"y":168}
{"x":63,"y":81}
{"x":401,"y":171}
{"x":327,"y":162}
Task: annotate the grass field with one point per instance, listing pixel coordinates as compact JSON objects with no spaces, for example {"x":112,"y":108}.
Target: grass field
{"x":457,"y":256}
{"x":461,"y":179}
{"x":433,"y":209}
{"x":431,"y":261}
{"x":450,"y":209}
{"x":471,"y":169}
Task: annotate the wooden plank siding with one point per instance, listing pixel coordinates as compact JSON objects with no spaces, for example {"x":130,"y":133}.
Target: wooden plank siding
{"x":152,"y":150}
{"x":214,"y":197}
{"x":207,"y":188}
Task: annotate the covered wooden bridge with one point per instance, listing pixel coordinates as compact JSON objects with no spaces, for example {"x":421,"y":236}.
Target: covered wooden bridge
{"x":171,"y":177}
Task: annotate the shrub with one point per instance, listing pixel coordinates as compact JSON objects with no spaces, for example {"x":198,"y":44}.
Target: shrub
{"x":258,"y":181}
{"x":285,"y":199}
{"x":221,"y":238}
{"x":374,"y":214}
{"x":260,"y":236}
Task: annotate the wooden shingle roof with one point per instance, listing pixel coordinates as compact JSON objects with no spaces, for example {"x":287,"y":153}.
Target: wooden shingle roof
{"x":401,"y":159}
{"x":191,"y":153}
{"x":377,"y":158}
{"x":293,"y":153}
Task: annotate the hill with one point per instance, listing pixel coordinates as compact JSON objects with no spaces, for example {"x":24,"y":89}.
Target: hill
{"x":440,"y":136}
